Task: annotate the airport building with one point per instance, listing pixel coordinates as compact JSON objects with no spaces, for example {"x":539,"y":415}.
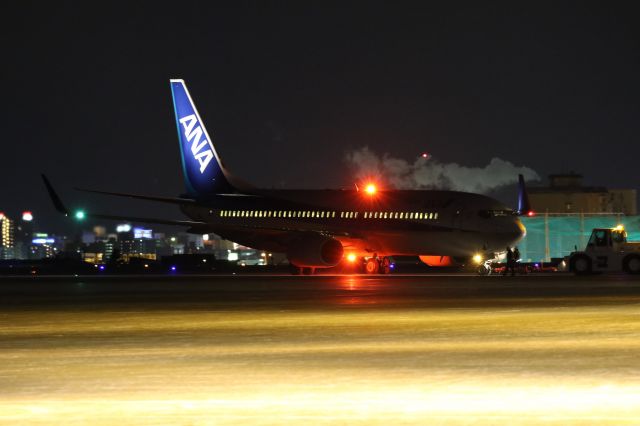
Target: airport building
{"x":567,"y":211}
{"x":566,"y":194}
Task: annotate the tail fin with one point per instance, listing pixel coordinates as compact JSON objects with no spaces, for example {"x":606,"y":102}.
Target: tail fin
{"x":204,"y":174}
{"x":524,"y":205}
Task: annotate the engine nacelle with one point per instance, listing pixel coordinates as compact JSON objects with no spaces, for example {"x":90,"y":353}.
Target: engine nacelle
{"x":437,"y":261}
{"x":315,"y":251}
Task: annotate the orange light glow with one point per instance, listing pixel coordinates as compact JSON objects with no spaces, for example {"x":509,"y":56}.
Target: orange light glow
{"x":370,"y":189}
{"x":351,"y":257}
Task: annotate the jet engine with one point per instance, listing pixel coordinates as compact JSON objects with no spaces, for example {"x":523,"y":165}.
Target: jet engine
{"x":437,"y":261}
{"x":316,"y":251}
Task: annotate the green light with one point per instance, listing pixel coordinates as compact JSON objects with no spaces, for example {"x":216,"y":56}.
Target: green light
{"x":80,"y":214}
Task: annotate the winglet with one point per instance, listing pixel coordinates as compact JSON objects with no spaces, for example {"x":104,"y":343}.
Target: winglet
{"x":57,"y":202}
{"x":524,"y":205}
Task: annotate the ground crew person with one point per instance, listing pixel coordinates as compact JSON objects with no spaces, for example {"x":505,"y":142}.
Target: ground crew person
{"x":510,"y":263}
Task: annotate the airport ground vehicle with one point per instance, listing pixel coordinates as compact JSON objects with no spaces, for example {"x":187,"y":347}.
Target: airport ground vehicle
{"x":607,"y":251}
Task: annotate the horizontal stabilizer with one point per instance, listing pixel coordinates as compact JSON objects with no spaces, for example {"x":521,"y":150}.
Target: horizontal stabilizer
{"x":171,"y":200}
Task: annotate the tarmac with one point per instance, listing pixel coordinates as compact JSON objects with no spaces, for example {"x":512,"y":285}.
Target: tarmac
{"x":330,"y":349}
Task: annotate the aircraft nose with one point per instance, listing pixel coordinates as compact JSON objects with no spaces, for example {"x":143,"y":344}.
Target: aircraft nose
{"x":519,"y":230}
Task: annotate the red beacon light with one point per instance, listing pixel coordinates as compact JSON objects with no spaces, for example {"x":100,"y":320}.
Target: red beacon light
{"x":370,"y":189}
{"x":531,"y":213}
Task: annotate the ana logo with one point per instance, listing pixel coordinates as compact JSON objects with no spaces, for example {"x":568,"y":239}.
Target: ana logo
{"x":201,"y":150}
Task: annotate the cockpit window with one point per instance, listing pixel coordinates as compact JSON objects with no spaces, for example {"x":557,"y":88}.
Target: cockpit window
{"x":487,"y":214}
{"x":619,"y":236}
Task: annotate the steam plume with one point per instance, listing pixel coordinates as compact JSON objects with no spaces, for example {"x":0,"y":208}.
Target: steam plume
{"x":428,"y":173}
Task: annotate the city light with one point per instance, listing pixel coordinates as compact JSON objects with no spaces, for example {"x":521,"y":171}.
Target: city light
{"x":80,"y":214}
{"x":27,"y":216}
{"x":125,"y":227}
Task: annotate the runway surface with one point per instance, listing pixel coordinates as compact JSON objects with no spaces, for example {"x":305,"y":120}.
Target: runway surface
{"x":440,"y":349}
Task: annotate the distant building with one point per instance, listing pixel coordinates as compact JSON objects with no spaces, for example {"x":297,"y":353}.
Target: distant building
{"x":566,"y":194}
{"x":136,"y":243}
{"x":7,"y":237}
{"x":43,"y":246}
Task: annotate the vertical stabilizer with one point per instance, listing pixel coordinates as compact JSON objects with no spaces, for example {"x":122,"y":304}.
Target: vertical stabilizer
{"x":203,"y":171}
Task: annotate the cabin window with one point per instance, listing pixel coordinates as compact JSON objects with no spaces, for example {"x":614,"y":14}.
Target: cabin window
{"x":435,"y":216}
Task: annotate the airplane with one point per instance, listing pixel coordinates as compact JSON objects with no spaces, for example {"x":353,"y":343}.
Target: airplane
{"x":321,"y":228}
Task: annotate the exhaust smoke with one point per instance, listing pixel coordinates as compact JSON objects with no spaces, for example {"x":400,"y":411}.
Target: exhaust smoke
{"x":429,"y":173}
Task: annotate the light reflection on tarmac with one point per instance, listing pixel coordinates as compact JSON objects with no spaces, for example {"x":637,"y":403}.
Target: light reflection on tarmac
{"x":320,"y":350}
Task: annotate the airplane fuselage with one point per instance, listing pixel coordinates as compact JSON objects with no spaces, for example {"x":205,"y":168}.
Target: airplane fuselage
{"x":398,"y":222}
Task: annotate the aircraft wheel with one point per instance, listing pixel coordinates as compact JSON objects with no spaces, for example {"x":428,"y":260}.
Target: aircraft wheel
{"x":580,"y":264}
{"x":631,"y":264}
{"x":385,"y":266}
{"x":372,"y":266}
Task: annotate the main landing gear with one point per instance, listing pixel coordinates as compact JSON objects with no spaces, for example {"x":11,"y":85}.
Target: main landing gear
{"x":298,"y":270}
{"x":377,"y":265}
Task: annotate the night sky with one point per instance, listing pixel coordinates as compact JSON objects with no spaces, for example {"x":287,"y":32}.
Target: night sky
{"x":287,"y":89}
